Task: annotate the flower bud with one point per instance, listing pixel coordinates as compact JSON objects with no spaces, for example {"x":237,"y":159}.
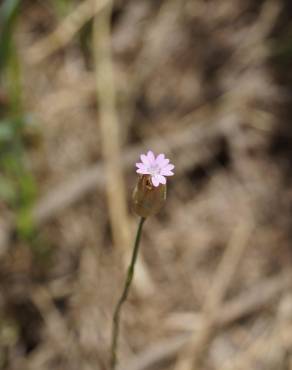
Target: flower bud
{"x":147,"y":199}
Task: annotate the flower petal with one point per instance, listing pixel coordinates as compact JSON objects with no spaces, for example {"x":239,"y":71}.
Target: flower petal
{"x":165,"y":172}
{"x":140,"y":165}
{"x":151,"y":157}
{"x":155,"y":181}
{"x":169,"y":167}
{"x":143,"y":171}
{"x":164,"y":163}
{"x":160,"y":159}
{"x":161,"y":179}
{"x":145,"y":160}
{"x":158,"y":179}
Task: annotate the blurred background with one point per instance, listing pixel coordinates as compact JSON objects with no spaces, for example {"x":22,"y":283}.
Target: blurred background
{"x":85,"y":88}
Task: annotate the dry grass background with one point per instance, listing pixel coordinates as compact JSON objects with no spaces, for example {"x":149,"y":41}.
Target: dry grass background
{"x":200,"y":81}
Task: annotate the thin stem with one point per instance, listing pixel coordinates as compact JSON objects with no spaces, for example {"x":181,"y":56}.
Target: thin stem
{"x":129,"y":278}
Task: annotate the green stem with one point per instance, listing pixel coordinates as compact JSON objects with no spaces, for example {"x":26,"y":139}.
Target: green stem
{"x":129,"y":278}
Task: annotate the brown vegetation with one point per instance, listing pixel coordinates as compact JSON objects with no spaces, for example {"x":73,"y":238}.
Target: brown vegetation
{"x":206,"y":82}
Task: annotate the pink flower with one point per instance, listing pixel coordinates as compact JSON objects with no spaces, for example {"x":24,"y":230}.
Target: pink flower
{"x":157,"y":168}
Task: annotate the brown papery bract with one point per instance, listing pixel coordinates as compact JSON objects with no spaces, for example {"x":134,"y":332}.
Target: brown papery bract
{"x":147,"y":199}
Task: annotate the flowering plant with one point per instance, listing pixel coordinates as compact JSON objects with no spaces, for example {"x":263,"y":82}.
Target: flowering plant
{"x":148,"y":197}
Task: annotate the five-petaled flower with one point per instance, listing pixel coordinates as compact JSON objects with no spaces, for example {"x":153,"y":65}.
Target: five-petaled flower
{"x":157,"y":167}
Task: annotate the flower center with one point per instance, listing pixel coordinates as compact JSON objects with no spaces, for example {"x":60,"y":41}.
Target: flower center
{"x":154,"y":170}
